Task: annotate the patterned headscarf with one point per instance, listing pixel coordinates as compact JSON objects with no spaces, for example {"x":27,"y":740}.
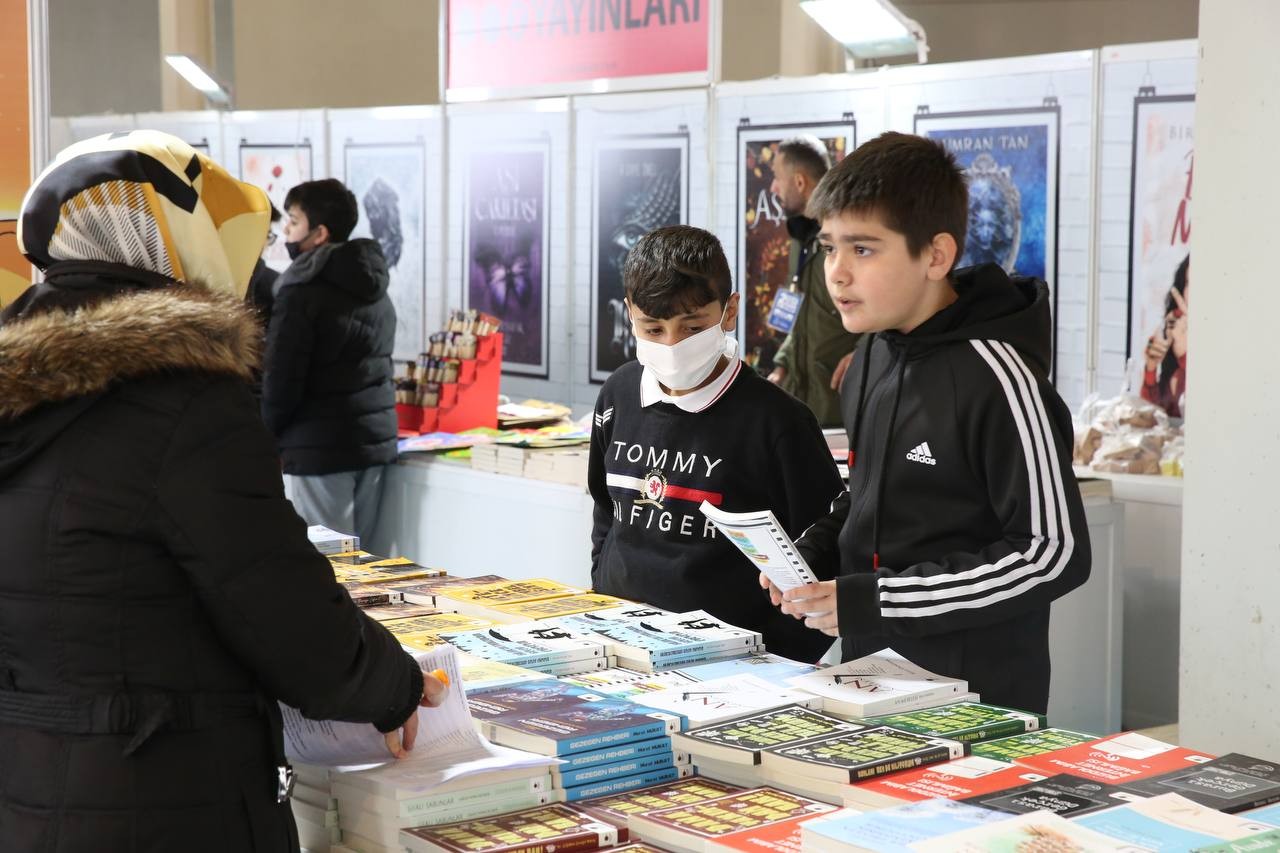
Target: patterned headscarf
{"x":150,"y":201}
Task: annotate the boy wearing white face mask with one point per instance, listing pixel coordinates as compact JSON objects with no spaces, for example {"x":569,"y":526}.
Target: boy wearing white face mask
{"x":687,"y":423}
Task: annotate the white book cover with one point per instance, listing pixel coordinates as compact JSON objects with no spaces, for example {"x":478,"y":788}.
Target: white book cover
{"x":1031,"y":832}
{"x":526,"y":641}
{"x":331,"y":541}
{"x":880,"y":683}
{"x":629,"y":682}
{"x":764,"y":542}
{"x":723,"y":698}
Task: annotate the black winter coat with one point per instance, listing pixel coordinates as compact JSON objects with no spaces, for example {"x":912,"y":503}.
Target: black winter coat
{"x":157,"y":590}
{"x":328,"y":392}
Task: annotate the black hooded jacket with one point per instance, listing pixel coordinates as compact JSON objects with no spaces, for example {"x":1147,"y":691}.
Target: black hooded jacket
{"x":963,"y":520}
{"x":328,"y":392}
{"x":155,"y":576}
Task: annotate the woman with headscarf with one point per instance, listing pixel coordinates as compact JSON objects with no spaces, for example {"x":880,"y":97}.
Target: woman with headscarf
{"x":158,"y":594}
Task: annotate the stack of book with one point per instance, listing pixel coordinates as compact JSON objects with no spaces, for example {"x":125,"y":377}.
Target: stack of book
{"x":315,"y":810}
{"x":879,"y":684}
{"x":431,"y":591}
{"x":329,"y":541}
{"x":362,"y":567}
{"x":664,"y":640}
{"x":373,"y":806}
{"x":567,"y":465}
{"x":422,"y":633}
{"x":606,"y":745}
{"x":556,"y":827}
{"x":543,"y":646}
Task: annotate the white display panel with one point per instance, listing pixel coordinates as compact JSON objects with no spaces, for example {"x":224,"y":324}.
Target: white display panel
{"x":507,"y":242}
{"x":1064,"y":81}
{"x":1166,"y":69}
{"x":390,"y":159}
{"x":664,"y":137}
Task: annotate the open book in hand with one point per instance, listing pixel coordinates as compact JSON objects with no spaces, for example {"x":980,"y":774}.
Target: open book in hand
{"x":761,"y":538}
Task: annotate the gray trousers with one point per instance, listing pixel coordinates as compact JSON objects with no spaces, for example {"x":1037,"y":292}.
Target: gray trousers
{"x":347,"y":502}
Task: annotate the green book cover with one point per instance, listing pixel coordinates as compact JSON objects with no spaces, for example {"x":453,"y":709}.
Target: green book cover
{"x":756,"y":732}
{"x":857,"y":756}
{"x":1266,"y":842}
{"x":1031,"y":743}
{"x":964,"y":721}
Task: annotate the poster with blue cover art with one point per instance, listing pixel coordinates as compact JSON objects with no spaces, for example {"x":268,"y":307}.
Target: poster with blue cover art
{"x":1011,"y":160}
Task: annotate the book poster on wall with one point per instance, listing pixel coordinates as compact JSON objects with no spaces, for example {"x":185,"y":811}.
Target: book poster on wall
{"x":640,"y":183}
{"x":387,"y":181}
{"x":276,"y":169}
{"x":1159,"y":247}
{"x":1011,"y":160}
{"x":764,"y":246}
{"x":506,"y":248}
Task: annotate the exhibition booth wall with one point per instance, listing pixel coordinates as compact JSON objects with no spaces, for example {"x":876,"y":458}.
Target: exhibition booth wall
{"x":1079,"y":162}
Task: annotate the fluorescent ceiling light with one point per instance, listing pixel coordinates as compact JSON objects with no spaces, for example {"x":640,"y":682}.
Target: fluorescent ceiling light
{"x":191,"y":71}
{"x":869,"y":29}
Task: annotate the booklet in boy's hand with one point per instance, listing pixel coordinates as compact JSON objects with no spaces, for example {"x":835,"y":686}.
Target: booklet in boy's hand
{"x":761,"y":538}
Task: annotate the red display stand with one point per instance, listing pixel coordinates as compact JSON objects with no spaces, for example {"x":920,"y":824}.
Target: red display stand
{"x":470,"y":402}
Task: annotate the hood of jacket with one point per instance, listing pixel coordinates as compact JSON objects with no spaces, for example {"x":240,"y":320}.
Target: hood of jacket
{"x":991,"y":305}
{"x":357,"y":267}
{"x":89,"y":326}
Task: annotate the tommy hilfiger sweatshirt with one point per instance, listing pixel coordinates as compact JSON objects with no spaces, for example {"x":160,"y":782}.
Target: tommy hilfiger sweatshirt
{"x":755,"y":447}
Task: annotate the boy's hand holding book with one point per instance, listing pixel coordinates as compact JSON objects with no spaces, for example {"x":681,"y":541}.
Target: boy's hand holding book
{"x":434,"y":685}
{"x":815,"y":603}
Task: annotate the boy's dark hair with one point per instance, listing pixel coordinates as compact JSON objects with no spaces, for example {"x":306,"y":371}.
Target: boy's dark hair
{"x":806,"y":154}
{"x":913,"y":184}
{"x":276,"y":215}
{"x":676,"y":270}
{"x":326,"y":202}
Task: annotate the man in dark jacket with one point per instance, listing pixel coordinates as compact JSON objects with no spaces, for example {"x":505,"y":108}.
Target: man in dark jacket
{"x":817,"y":350}
{"x":159,"y":595}
{"x":328,"y":390}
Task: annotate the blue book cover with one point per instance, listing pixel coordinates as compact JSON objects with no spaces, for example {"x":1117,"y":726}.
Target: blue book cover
{"x":626,"y":783}
{"x":1125,"y":824}
{"x":1269,"y":814}
{"x":601,"y":772}
{"x":614,"y":754}
{"x":582,"y":726}
{"x":770,"y":667}
{"x":530,"y":648}
{"x":892,"y":830}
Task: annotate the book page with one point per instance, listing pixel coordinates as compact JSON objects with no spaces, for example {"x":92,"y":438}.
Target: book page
{"x":448,"y":746}
{"x":760,"y":537}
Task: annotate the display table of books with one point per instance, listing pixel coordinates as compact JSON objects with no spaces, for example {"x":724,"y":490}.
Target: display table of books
{"x":577,"y":721}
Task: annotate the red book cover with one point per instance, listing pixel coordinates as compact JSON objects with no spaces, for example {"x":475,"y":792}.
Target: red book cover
{"x":965,"y":777}
{"x":1116,"y":759}
{"x":780,"y":837}
{"x":558,"y":827}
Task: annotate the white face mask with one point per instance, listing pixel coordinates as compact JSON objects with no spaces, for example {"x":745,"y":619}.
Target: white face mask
{"x":687,"y":364}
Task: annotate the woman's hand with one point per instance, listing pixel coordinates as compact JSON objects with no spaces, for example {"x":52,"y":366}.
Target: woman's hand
{"x":400,"y":742}
{"x":815,"y":603}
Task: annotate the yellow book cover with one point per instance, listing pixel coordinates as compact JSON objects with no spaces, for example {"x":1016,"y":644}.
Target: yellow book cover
{"x":422,"y":642}
{"x":436,"y":624}
{"x":372,"y":574}
{"x":397,"y":611}
{"x":550,"y":608}
{"x":478,"y":673}
{"x":511,"y":592}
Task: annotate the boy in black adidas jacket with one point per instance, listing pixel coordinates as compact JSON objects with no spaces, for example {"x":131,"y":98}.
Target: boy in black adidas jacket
{"x":689,"y":422}
{"x":962,"y":521}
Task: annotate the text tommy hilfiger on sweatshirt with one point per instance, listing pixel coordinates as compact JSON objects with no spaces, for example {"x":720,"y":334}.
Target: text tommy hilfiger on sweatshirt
{"x":748,"y":445}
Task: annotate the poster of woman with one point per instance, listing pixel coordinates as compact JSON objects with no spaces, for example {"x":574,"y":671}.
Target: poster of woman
{"x":506,"y":246}
{"x":1159,"y":250}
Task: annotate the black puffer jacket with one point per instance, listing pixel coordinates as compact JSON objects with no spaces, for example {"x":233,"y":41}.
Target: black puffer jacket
{"x":328,"y":391}
{"x":157,"y":590}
